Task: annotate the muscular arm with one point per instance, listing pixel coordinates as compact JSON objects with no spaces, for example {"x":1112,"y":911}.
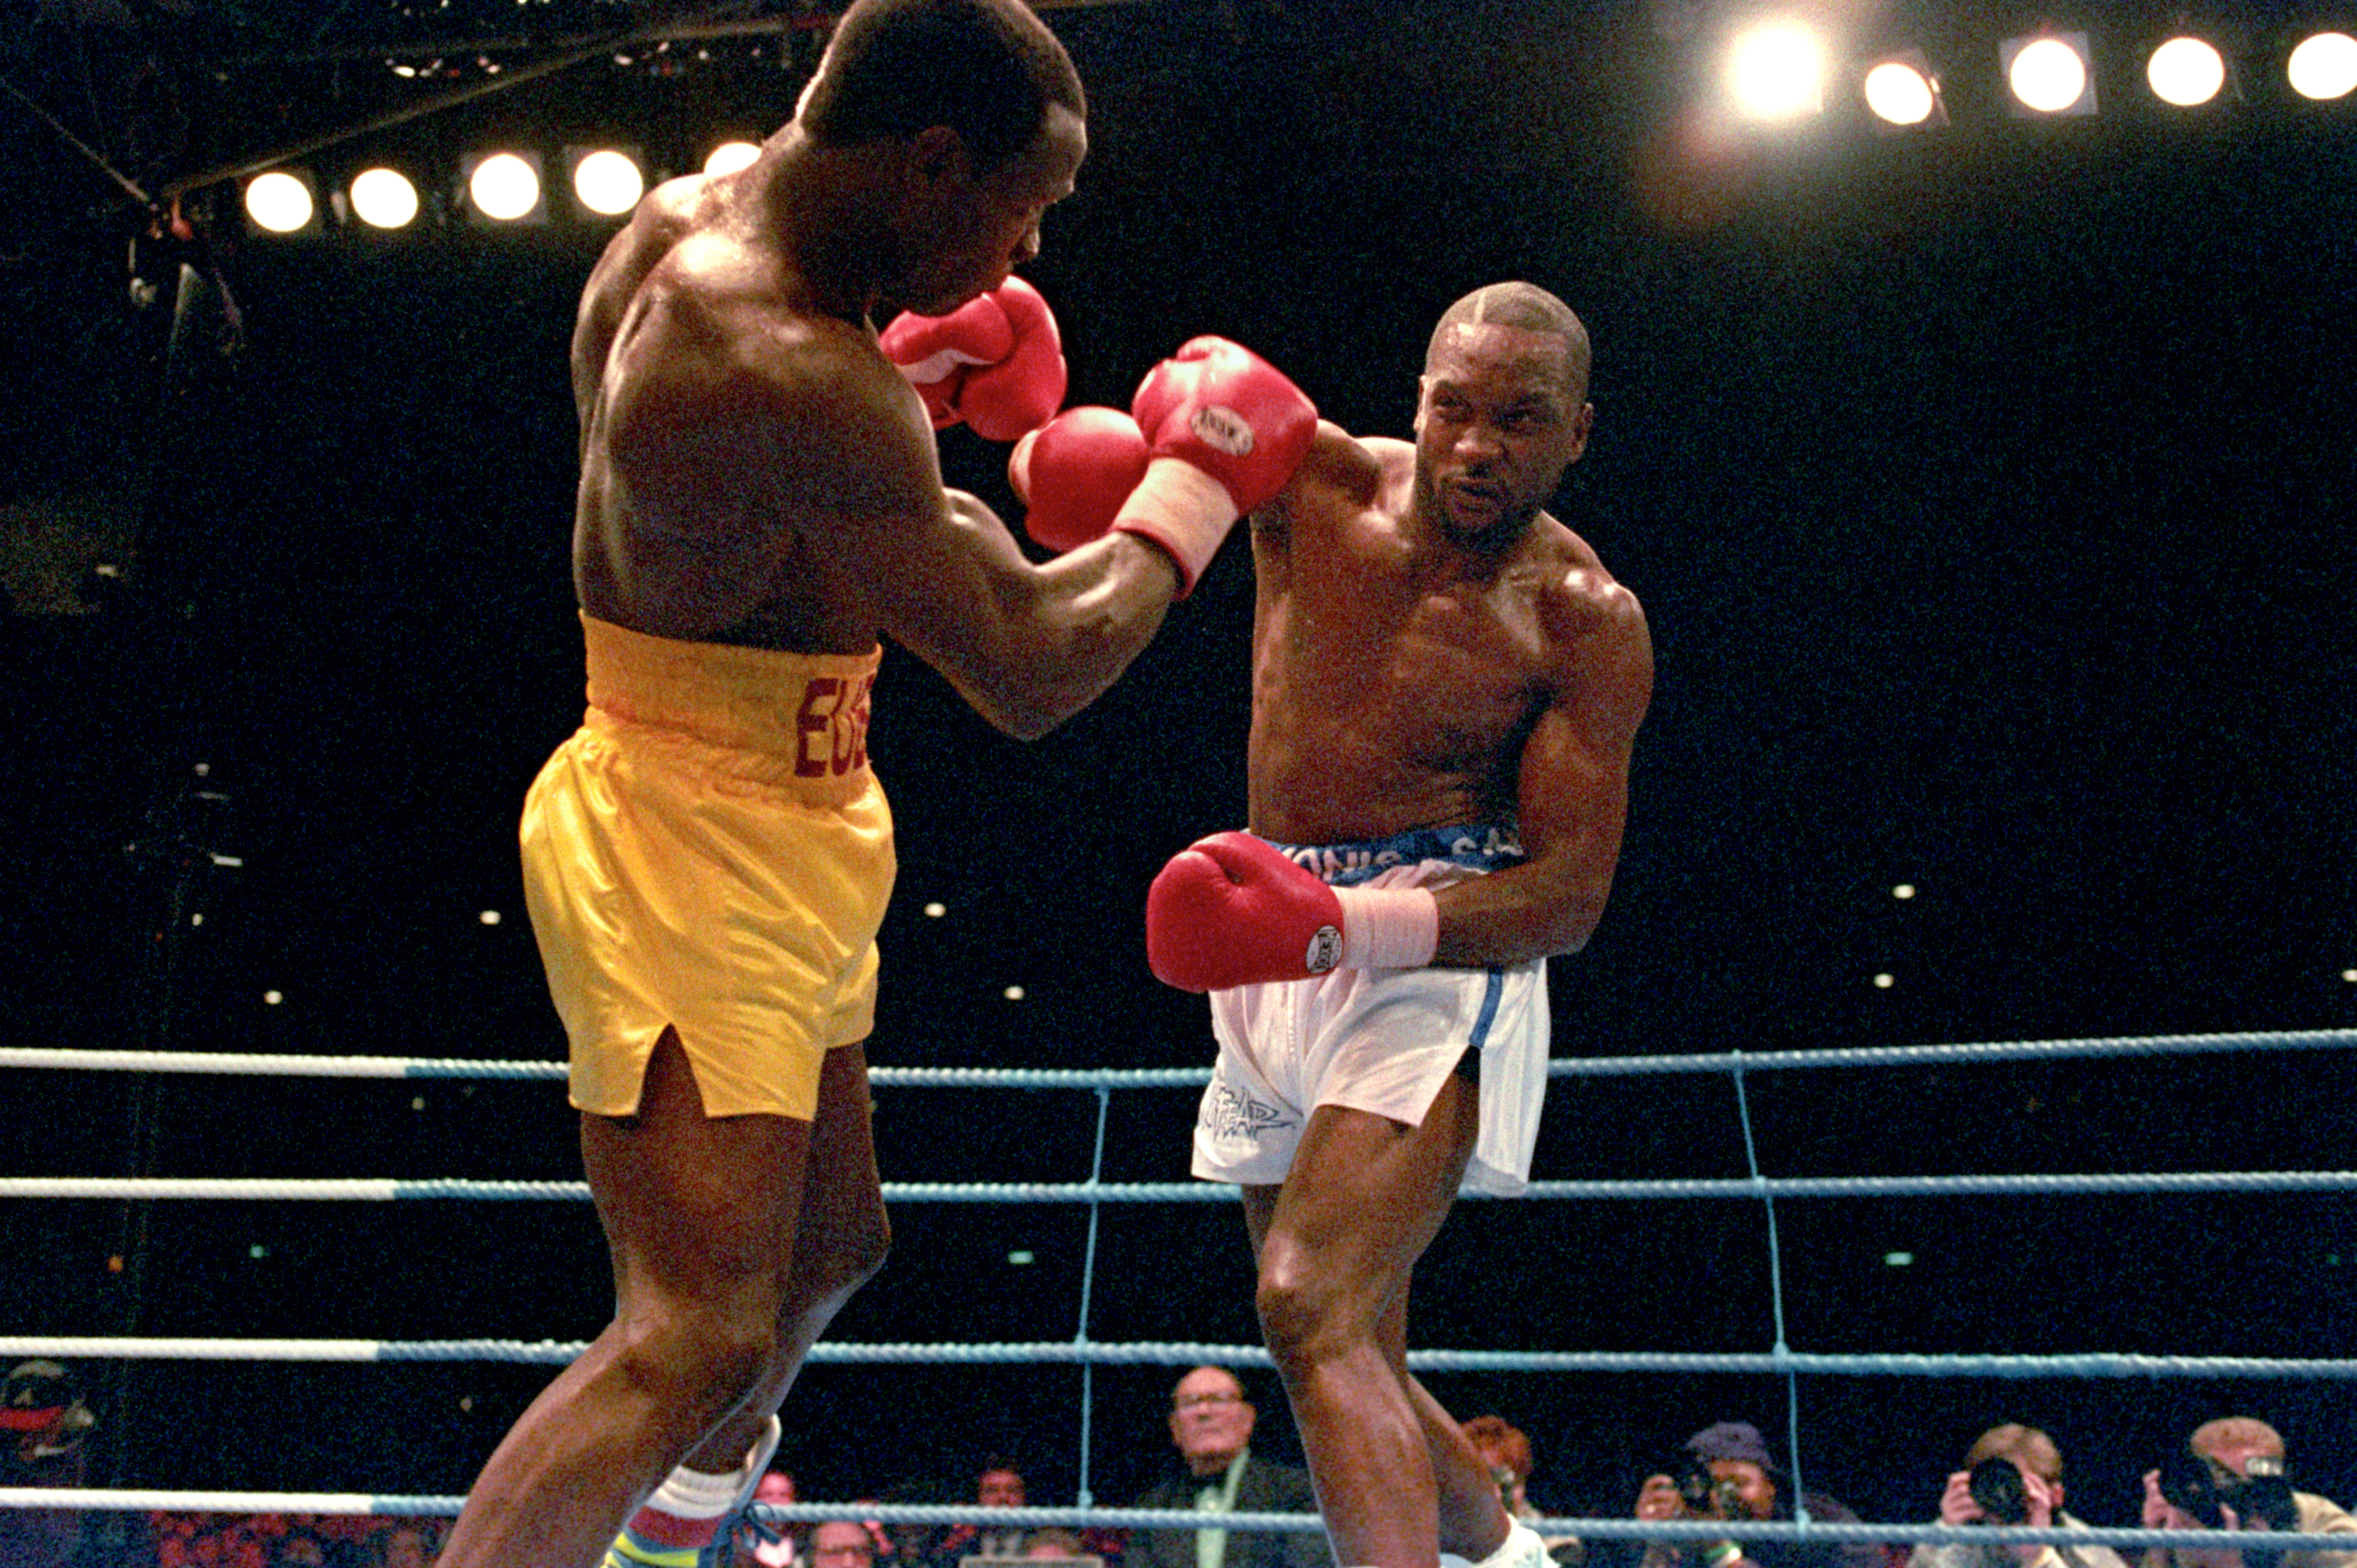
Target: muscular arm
{"x":1027,"y":645}
{"x":791,"y":458}
{"x":1573,"y":801}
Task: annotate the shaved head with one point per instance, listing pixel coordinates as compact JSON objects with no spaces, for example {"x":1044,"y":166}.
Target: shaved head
{"x":1526,"y":307}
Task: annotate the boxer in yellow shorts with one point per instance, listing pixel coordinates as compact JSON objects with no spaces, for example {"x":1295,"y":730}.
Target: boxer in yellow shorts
{"x":711,"y":852}
{"x":707,"y":859}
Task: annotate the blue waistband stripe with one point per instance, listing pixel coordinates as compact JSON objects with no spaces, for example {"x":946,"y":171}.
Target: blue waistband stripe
{"x":1478,"y":847}
{"x":1490,"y":996}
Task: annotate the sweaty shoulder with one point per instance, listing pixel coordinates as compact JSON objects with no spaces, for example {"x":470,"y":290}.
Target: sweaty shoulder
{"x":720,"y":338}
{"x":1597,"y":626}
{"x":1341,"y":470}
{"x":667,"y":215}
{"x":736,"y":412}
{"x":1576,"y":583}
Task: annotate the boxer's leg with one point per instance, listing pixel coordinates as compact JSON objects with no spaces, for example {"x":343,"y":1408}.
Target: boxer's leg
{"x":839,"y":1242}
{"x":1472,"y":1514}
{"x":700,"y":1218}
{"x":1337,"y":1243}
{"x":840,"y":1239}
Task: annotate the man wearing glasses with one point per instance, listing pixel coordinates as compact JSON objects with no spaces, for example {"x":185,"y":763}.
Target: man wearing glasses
{"x":1212,"y":1427}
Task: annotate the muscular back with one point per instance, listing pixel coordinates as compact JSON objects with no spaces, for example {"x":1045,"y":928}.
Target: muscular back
{"x":1396,"y":678}
{"x":717,"y":403}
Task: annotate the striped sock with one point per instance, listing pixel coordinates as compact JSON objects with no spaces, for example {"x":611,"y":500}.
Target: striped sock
{"x":678,"y":1521}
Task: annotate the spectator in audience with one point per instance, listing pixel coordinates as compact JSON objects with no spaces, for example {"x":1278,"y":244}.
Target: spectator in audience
{"x":1506,"y":1449}
{"x":216,"y":1540}
{"x":842,"y":1544}
{"x":300,"y":1548}
{"x":1727,"y":1473}
{"x":1212,"y":1427}
{"x":2233,"y":1475}
{"x":406,"y":1543}
{"x":44,"y":1424}
{"x":1053,"y":1545}
{"x":2012,"y":1475}
{"x":999,"y":1485}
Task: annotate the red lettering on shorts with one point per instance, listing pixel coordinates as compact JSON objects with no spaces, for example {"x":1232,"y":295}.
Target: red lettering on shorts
{"x":831,"y":727}
{"x":851,"y":734}
{"x":821,"y":699}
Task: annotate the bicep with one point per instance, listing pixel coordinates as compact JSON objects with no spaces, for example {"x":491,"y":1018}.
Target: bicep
{"x":945,"y":576}
{"x":1574,"y":790}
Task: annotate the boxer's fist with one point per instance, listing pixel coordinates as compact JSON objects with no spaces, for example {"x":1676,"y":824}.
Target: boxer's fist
{"x":1022,"y":392}
{"x":936,"y":351}
{"x":1075,"y":472}
{"x":1224,"y":409}
{"x":997,"y":362}
{"x":1232,"y":910}
{"x":1227,"y":430}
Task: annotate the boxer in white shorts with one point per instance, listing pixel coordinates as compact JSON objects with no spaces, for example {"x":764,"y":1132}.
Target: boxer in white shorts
{"x":1435,"y":661}
{"x":1380,"y":1040}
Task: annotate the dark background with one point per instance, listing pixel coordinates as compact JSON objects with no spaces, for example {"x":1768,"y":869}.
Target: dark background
{"x":1988,"y":489}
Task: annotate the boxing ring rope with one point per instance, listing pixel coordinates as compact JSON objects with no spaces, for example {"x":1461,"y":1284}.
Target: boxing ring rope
{"x":285,"y":1066}
{"x":1180,"y":1353}
{"x":1176,"y":1519}
{"x":1089,"y":1354}
{"x":398,"y":1190}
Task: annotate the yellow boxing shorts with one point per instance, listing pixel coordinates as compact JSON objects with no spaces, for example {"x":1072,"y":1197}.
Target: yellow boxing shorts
{"x":711,"y":851}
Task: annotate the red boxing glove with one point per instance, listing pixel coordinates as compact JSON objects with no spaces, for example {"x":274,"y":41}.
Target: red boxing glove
{"x":936,"y":351}
{"x":997,"y":362}
{"x":1230,"y":910}
{"x":1075,"y":472}
{"x":1227,"y":430}
{"x":1023,"y":391}
{"x":1225,"y":410}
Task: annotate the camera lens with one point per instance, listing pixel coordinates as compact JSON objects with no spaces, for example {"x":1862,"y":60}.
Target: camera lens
{"x":1997,"y":1486}
{"x":2265,"y":1500}
{"x":2186,"y":1481}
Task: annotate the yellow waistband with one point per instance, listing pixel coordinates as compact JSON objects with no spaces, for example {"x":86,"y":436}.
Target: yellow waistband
{"x":807,"y":710}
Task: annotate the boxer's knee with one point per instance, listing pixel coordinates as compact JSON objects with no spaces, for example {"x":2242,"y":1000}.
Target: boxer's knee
{"x":702,"y":1356}
{"x":1307,"y":1314}
{"x":831,"y":1272}
{"x":862,"y":1252}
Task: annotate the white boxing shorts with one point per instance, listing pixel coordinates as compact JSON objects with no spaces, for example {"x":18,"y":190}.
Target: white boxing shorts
{"x":1380,"y":1040}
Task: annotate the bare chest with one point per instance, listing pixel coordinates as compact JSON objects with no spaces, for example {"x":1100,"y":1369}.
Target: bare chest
{"x":1456,"y":653}
{"x":1387,"y":695}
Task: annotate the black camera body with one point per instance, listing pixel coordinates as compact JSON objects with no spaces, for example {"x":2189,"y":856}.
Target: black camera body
{"x":1998,"y":1487}
{"x":2261,"y":1498}
{"x":1707,"y":1497}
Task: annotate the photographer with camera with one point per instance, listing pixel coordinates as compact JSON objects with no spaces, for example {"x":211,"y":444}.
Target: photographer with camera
{"x":2232,"y":1476}
{"x":2012,"y":1475}
{"x":1727,"y":1473}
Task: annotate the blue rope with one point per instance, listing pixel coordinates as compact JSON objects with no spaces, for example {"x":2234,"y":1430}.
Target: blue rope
{"x":364,"y":1505}
{"x":1775,"y":1296}
{"x":1088,"y":1280}
{"x":2093,"y":1364}
{"x":418,"y":1067}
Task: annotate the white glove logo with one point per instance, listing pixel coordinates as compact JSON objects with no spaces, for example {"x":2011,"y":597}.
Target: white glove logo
{"x":1325,"y":947}
{"x":1222,"y":429}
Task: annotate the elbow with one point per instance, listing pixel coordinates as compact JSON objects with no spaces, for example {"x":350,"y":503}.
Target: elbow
{"x":1059,"y":680}
{"x":1572,"y":939}
{"x":1022,"y":720}
{"x":1574,"y":922}
{"x":1027,"y":709}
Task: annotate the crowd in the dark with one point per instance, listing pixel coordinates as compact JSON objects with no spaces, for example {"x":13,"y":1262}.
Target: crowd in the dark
{"x":2233,"y":1475}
